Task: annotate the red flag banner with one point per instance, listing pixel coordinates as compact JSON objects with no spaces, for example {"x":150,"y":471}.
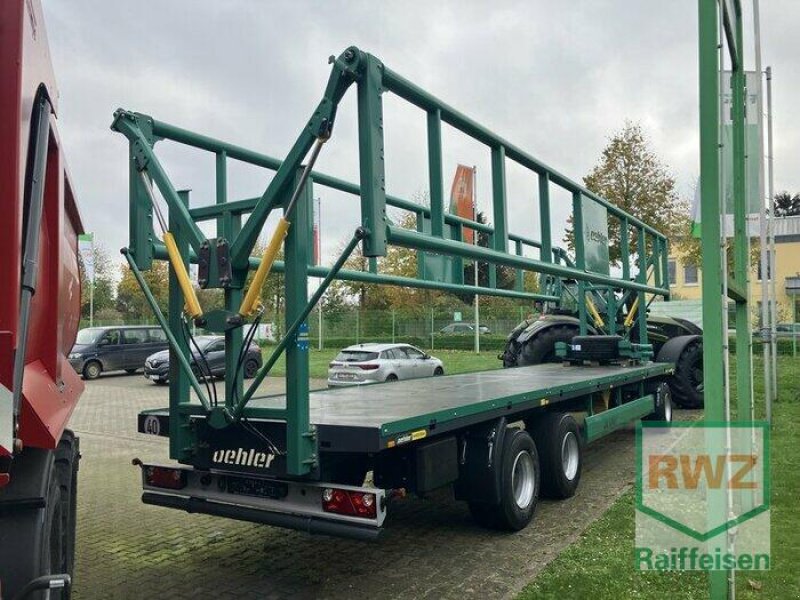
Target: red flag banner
{"x":462,"y":195}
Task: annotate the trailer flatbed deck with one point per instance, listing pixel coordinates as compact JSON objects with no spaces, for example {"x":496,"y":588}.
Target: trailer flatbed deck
{"x":370,"y":418}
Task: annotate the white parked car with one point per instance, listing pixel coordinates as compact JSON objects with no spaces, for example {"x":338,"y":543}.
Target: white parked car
{"x":373,"y":363}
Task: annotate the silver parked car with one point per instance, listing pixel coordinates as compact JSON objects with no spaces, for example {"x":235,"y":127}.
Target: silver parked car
{"x":374,"y":363}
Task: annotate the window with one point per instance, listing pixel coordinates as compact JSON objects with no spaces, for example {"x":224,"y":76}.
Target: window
{"x":672,"y":270}
{"x":157,"y":335}
{"x":134,"y":336}
{"x":111,"y":337}
{"x":218,"y":346}
{"x":690,"y":274}
{"x":355,"y":356}
{"x":413,"y":352}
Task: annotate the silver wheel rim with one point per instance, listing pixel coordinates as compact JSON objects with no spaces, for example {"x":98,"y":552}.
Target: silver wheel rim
{"x":569,"y":455}
{"x":523,"y":479}
{"x":94,"y":370}
{"x":667,"y":408}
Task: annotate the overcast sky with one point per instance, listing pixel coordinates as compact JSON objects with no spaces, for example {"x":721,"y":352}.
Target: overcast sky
{"x":555,"y":78}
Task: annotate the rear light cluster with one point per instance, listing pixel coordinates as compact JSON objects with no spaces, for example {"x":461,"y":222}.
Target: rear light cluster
{"x":349,"y":502}
{"x":362,"y":367}
{"x":165,"y":477}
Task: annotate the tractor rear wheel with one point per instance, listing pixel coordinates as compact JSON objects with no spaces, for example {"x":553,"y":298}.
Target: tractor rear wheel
{"x":541,"y":348}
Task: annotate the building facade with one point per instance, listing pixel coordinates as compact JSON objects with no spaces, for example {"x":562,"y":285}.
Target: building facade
{"x":685,"y":279}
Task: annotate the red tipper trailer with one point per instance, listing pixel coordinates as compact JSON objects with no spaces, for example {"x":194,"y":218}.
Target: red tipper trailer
{"x":39,"y":312}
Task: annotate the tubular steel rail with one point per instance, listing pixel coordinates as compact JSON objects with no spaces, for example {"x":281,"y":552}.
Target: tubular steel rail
{"x":224,"y":261}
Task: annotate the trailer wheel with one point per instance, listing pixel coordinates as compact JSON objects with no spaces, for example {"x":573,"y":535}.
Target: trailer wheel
{"x":541,"y":348}
{"x":519,"y":485}
{"x":92,"y":369}
{"x":663,"y":411}
{"x":558,"y":440}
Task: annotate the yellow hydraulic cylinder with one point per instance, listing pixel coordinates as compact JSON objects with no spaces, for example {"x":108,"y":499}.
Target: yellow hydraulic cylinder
{"x":598,"y":320}
{"x":192,"y":305}
{"x":632,"y":314}
{"x":252,"y":299}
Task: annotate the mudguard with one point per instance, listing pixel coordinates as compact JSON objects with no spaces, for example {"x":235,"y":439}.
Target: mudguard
{"x":672,"y":349}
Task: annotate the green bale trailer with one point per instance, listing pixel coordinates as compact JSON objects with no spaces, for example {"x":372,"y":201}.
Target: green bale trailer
{"x":301,"y":459}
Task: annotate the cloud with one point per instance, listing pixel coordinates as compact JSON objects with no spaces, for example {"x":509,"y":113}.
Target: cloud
{"x":554,"y":78}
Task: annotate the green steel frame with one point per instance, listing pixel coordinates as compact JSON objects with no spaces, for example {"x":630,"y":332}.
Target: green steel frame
{"x":720,"y":32}
{"x":375,"y":232}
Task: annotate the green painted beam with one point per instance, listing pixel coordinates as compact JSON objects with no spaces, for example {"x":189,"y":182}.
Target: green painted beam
{"x":601,"y":424}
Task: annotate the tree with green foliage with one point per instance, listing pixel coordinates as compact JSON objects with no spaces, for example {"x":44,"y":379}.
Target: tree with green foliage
{"x":104,"y":286}
{"x":786,"y":205}
{"x":631,"y":176}
{"x":131,"y":302}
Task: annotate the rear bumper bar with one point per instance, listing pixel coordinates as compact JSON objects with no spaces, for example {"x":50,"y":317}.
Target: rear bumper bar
{"x":308,"y":524}
{"x":277,"y":502}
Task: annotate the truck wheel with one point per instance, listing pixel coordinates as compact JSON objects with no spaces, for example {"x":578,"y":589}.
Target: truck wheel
{"x":33,"y":540}
{"x":519,"y":485}
{"x":663,"y":411}
{"x":558,"y":440}
{"x":541,"y":348}
{"x":687,"y":382}
{"x":92,"y":370}
{"x":67,"y":458}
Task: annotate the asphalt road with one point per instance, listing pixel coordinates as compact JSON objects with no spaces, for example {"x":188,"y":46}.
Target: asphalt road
{"x":431,"y":549}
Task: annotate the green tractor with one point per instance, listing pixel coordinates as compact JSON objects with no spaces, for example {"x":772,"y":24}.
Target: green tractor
{"x":676,"y":340}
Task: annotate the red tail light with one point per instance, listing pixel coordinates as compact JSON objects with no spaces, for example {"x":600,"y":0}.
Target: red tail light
{"x":348,"y":502}
{"x":368,"y":367}
{"x":164,"y":477}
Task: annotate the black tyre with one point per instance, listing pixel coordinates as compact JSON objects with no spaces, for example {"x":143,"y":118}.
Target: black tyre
{"x":541,"y":348}
{"x":92,"y":369}
{"x":663,"y":410}
{"x":67,"y":458}
{"x":160,"y":381}
{"x":131,"y":371}
{"x":391,"y":377}
{"x":511,"y":351}
{"x":438,"y":371}
{"x":33,"y":541}
{"x":519,"y":485}
{"x":687,"y":382}
{"x":250,"y":368}
{"x":558,"y":441}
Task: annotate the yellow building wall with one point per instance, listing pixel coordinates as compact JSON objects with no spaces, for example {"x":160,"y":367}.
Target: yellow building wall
{"x":787,"y":264}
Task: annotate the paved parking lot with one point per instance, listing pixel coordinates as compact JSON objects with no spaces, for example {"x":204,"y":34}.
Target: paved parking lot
{"x":431,"y":549}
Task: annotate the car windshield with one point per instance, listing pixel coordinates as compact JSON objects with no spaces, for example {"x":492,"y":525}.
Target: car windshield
{"x":204,"y":342}
{"x":355,"y":356}
{"x":89,"y":336}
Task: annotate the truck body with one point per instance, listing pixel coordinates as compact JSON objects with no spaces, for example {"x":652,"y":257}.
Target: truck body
{"x":40,"y":291}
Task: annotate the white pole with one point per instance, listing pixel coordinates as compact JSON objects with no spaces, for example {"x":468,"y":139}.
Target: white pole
{"x":318,"y":241}
{"x":91,"y":288}
{"x":771,"y":235}
{"x":477,"y":316}
{"x":766,"y":345}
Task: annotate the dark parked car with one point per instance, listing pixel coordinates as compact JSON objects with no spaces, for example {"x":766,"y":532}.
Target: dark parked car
{"x":156,"y":367}
{"x":463,"y":328}
{"x":101,"y":349}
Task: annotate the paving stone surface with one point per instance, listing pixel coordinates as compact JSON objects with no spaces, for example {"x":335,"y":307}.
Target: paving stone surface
{"x":431,"y":549}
